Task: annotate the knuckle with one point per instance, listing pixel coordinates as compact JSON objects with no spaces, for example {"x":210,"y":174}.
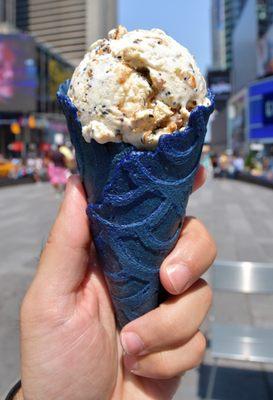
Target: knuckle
{"x":168,"y":325}
{"x":210,"y":244}
{"x":207,"y":293}
{"x":213,"y":247}
{"x":200,"y":348}
{"x":165,"y":368}
{"x":196,"y":223}
{"x":201,"y":229}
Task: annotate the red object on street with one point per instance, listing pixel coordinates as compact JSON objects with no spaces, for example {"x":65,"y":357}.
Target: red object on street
{"x":16,"y":146}
{"x":45,"y":147}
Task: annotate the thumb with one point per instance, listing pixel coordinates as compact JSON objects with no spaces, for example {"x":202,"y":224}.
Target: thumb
{"x":66,"y":256}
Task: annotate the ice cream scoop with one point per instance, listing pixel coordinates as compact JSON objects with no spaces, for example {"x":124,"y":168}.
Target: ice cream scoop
{"x":136,"y":86}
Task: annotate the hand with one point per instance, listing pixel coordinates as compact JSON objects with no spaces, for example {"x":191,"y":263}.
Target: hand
{"x":70,"y":346}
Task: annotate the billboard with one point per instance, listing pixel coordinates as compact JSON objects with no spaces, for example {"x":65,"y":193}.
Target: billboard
{"x":236,"y":135}
{"x":265,"y":54}
{"x":261,"y":111}
{"x":58,"y":73}
{"x":219,"y":83}
{"x":18,"y":73}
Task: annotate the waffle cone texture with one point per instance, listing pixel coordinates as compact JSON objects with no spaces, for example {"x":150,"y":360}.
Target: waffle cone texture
{"x":136,"y":205}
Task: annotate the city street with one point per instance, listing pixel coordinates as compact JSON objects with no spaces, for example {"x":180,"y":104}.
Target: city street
{"x":239,"y":215}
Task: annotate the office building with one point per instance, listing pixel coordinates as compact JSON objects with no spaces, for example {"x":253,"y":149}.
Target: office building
{"x":32,"y":96}
{"x":264,"y":15}
{"x":244,"y":47}
{"x":252,"y":43}
{"x":8,"y":11}
{"x":233,"y":10}
{"x":218,"y":34}
{"x":225,"y":15}
{"x":247,"y":116}
{"x":69,"y":26}
{"x":250,"y":119}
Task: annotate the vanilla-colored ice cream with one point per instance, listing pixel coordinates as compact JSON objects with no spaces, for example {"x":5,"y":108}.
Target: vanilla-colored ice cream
{"x":136,"y":86}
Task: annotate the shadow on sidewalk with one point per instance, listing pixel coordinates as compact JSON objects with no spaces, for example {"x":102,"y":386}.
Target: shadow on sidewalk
{"x":235,"y":384}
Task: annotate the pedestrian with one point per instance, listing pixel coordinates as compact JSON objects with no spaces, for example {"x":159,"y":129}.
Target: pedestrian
{"x":71,"y":348}
{"x":238,"y":164}
{"x":57,"y":170}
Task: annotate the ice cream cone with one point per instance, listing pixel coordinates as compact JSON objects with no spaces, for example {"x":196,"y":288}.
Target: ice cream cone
{"x":136,"y":205}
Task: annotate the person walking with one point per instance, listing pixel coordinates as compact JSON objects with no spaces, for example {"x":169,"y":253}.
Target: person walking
{"x":57,"y":171}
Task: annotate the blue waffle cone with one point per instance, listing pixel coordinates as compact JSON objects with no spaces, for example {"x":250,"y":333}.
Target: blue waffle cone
{"x":136,"y":205}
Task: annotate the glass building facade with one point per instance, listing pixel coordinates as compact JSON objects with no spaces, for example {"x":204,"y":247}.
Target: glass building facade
{"x":224,"y":15}
{"x":233,"y":10}
{"x":70,"y":26}
{"x":265,"y":15}
{"x":8,"y":11}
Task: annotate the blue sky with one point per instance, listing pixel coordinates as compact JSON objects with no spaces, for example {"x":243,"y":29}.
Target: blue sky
{"x":187,"y":21}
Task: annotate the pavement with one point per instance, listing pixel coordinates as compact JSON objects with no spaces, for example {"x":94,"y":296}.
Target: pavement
{"x":240,"y":217}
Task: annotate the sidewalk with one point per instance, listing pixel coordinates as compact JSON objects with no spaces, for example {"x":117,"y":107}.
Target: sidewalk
{"x":240,"y":217}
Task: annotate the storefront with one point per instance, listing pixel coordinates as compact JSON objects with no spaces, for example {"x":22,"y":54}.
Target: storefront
{"x":237,"y":139}
{"x":260,"y":113}
{"x":30,"y":74}
{"x":250,"y":118}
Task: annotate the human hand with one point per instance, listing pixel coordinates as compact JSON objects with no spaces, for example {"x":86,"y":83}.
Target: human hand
{"x":70,"y":346}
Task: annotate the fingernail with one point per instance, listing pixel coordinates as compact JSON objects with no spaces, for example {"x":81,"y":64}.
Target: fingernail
{"x":131,"y":343}
{"x":130,"y":363}
{"x":179,"y":276}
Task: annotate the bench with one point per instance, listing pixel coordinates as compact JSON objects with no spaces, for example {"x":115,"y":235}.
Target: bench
{"x":241,"y":342}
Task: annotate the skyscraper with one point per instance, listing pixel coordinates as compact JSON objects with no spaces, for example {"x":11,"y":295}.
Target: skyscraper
{"x":233,"y":9}
{"x":265,"y":15}
{"x":218,"y":34}
{"x":7,"y":11}
{"x":70,"y":26}
{"x":225,"y":14}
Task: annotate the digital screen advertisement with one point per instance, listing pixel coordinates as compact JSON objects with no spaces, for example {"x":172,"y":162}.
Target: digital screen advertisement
{"x":219,"y":83}
{"x":261,"y":110}
{"x":57,"y":75}
{"x":18,"y":73}
{"x":265,"y":54}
